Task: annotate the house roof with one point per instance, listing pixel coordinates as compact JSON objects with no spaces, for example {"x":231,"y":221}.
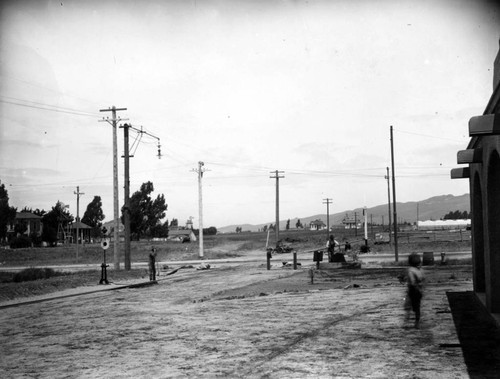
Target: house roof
{"x":26,"y":215}
{"x":348,"y":220}
{"x":317,"y":222}
{"x":80,"y":225}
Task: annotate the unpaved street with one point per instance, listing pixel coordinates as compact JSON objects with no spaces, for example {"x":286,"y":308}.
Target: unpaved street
{"x":240,"y":322}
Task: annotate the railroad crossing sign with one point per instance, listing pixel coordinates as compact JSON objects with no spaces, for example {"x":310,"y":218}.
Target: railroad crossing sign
{"x":105,"y":244}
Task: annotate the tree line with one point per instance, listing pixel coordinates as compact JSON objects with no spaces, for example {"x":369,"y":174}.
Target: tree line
{"x":146,"y":215}
{"x":457,"y":215}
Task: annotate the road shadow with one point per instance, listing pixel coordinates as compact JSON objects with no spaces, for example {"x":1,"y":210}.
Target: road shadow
{"x":478,"y":334}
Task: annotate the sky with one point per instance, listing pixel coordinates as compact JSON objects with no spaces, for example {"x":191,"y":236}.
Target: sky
{"x":310,"y":88}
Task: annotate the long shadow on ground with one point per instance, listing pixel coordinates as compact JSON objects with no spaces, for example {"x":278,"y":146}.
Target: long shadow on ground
{"x":478,"y":334}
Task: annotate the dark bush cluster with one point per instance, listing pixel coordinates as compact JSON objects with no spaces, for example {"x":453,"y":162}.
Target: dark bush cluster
{"x":20,"y":242}
{"x":35,"y":274}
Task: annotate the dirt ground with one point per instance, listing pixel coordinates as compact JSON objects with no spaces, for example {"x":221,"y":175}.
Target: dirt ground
{"x":247,"y":322}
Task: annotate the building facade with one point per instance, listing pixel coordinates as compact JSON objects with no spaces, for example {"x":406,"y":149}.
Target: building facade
{"x":482,"y":158}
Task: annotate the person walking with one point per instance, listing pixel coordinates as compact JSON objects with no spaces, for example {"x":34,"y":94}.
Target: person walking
{"x":415,"y":286}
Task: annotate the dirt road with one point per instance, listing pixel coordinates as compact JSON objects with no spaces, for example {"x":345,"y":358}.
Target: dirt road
{"x":241,"y":322}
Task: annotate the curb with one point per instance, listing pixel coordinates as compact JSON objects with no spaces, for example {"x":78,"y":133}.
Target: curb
{"x":57,"y":297}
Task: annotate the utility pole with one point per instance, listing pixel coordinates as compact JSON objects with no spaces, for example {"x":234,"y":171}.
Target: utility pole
{"x":200,"y":172}
{"x":277,"y":176}
{"x":389,"y":204}
{"x":394,"y":200}
{"x":113,"y":122}
{"x":417,"y":214}
{"x":365,"y":214}
{"x":126,"y":204}
{"x":77,"y":193}
{"x":371,"y":225}
{"x":327,"y":201}
{"x":355,"y":224}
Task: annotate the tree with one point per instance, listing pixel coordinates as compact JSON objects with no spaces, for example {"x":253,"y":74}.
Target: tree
{"x":211,"y":231}
{"x":174,"y":223}
{"x":94,"y":216}
{"x":287,"y":224}
{"x":298,"y":224}
{"x":160,"y":230}
{"x":53,"y":221}
{"x":7,"y":213}
{"x":457,"y":215}
{"x":145,"y":213}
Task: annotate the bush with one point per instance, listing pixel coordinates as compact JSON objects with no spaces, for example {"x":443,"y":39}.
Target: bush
{"x":20,"y":242}
{"x":34,"y":274}
{"x":36,"y":239}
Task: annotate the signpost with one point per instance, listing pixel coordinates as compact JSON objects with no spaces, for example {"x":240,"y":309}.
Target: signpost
{"x":104,"y":274}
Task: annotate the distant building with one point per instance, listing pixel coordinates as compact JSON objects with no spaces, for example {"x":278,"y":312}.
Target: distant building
{"x":317,"y":225}
{"x":351,"y":222}
{"x":443,"y":224}
{"x":181,"y":235}
{"x":83,"y":229}
{"x":31,"y":221}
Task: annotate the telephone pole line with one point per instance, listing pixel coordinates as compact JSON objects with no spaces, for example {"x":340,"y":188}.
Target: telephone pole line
{"x":77,"y":193}
{"x":327,"y":201}
{"x":277,"y":176}
{"x":113,"y":122}
{"x":200,"y":172}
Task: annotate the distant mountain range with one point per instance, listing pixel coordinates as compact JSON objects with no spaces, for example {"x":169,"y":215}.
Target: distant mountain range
{"x":433,"y":208}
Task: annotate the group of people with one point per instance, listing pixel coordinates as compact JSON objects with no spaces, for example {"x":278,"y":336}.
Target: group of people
{"x":334,"y":251}
{"x":414,"y":277}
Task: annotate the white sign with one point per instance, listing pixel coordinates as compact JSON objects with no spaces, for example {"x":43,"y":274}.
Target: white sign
{"x":105,"y":244}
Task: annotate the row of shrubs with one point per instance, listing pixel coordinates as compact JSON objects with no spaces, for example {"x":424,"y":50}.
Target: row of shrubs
{"x":23,"y":241}
{"x":32,"y":273}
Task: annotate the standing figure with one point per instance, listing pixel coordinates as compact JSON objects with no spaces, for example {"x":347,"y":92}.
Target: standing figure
{"x":415,"y":285}
{"x":152,"y":264}
{"x":330,"y":245}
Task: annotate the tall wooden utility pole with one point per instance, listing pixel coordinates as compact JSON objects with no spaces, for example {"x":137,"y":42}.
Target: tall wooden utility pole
{"x":365,"y":214}
{"x":277,"y":176}
{"x":394,"y":200}
{"x":389,"y":204}
{"x":200,"y":172}
{"x":355,"y":224}
{"x":417,"y":214}
{"x":327,"y":201}
{"x":116,"y":208}
{"x":77,"y":193}
{"x":126,"y":203}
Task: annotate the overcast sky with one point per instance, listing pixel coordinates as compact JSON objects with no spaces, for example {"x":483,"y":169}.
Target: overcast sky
{"x":310,"y":88}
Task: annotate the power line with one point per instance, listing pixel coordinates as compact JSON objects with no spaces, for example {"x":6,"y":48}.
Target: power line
{"x":428,"y":136}
{"x":53,"y":109}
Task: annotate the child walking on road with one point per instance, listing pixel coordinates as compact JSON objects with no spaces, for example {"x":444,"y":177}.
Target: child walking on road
{"x":415,"y":285}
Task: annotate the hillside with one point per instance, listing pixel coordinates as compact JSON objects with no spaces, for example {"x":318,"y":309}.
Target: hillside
{"x":433,"y":208}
